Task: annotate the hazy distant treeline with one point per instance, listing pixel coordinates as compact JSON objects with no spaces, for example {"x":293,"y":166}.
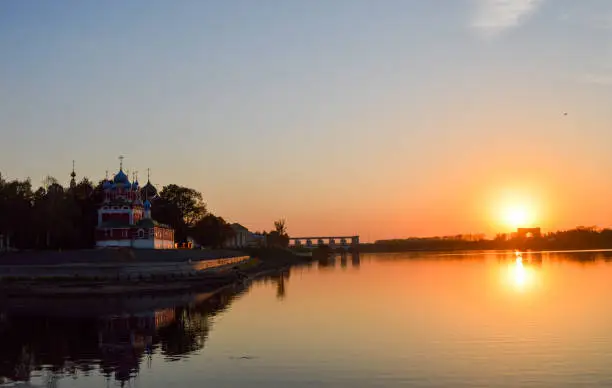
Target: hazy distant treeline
{"x":577,"y":238}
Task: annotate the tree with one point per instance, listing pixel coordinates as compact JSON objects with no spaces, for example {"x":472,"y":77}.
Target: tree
{"x":84,"y":190}
{"x":87,"y":199}
{"x":278,"y":237}
{"x":56,"y":218}
{"x":212,"y":231}
{"x":187,"y":201}
{"x":181,"y":208}
{"x":501,"y":237}
{"x":280,"y":227}
{"x":16,"y":200}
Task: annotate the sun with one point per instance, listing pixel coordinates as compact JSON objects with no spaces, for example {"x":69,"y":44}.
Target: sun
{"x":516,"y":216}
{"x":510,"y":208}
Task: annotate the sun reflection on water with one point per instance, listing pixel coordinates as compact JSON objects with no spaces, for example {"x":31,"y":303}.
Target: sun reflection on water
{"x":521,"y":276}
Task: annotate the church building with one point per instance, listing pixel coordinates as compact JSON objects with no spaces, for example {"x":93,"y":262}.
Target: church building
{"x":124,"y":217}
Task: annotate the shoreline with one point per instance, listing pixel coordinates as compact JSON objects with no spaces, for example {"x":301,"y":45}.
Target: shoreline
{"x":492,"y":250}
{"x":257,"y":264}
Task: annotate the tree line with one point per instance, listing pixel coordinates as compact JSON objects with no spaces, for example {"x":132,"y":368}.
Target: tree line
{"x":577,"y":238}
{"x":54,"y":217}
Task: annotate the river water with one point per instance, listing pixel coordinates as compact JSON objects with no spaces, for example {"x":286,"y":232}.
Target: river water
{"x":493,"y":319}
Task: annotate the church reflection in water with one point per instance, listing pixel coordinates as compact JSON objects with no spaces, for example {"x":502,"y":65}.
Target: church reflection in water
{"x":113,"y":344}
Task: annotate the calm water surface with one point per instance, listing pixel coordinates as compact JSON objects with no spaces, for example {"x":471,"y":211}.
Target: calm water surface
{"x":427,"y":320}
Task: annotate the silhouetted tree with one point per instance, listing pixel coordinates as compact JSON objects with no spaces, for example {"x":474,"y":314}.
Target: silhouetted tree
{"x":278,"y":237}
{"x":179,"y":207}
{"x":212,"y":231}
{"x":280,"y":227}
{"x":16,"y":200}
{"x":187,"y":201}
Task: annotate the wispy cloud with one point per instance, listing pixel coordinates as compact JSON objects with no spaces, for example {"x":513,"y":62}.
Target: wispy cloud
{"x":602,"y":21}
{"x":492,"y":17}
{"x":597,"y":67}
{"x":601,"y":79}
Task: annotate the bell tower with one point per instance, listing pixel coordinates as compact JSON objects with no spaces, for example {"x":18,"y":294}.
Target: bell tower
{"x":72,"y":177}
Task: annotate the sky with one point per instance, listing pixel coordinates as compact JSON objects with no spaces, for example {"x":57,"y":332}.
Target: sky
{"x":386,"y":119}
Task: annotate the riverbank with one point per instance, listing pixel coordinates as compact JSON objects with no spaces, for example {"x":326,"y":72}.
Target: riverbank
{"x":143,"y":277}
{"x":109,"y":256}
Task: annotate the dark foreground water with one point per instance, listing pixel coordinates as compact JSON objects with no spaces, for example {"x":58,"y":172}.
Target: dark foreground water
{"x":427,"y":320}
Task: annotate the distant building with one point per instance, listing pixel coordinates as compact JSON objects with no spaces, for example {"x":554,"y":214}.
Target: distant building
{"x":528,"y":232}
{"x":124,"y":217}
{"x":256,"y":240}
{"x":240,"y":237}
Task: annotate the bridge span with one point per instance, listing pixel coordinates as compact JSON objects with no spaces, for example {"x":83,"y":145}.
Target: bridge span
{"x":331,"y":241}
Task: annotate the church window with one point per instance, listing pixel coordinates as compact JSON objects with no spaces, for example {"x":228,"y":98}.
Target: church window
{"x":126,"y":208}
{"x":141,"y":233}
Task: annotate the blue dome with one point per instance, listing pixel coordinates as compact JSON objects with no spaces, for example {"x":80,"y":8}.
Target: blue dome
{"x":147,"y":205}
{"x":121,"y":178}
{"x":106,"y":185}
{"x":135,"y":185}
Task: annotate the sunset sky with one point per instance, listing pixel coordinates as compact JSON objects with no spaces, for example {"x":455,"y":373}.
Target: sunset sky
{"x":386,"y":119}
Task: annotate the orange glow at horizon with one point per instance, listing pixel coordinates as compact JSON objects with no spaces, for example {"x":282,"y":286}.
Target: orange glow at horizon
{"x":515,"y":208}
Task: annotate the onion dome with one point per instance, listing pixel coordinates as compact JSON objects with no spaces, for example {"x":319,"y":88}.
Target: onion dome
{"x":147,"y":205}
{"x":121,"y":178}
{"x":148,"y":191}
{"x":107,"y":184}
{"x":135,"y":185}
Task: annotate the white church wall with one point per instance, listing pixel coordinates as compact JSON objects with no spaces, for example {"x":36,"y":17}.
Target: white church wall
{"x":143,"y":244}
{"x":113,"y":243}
